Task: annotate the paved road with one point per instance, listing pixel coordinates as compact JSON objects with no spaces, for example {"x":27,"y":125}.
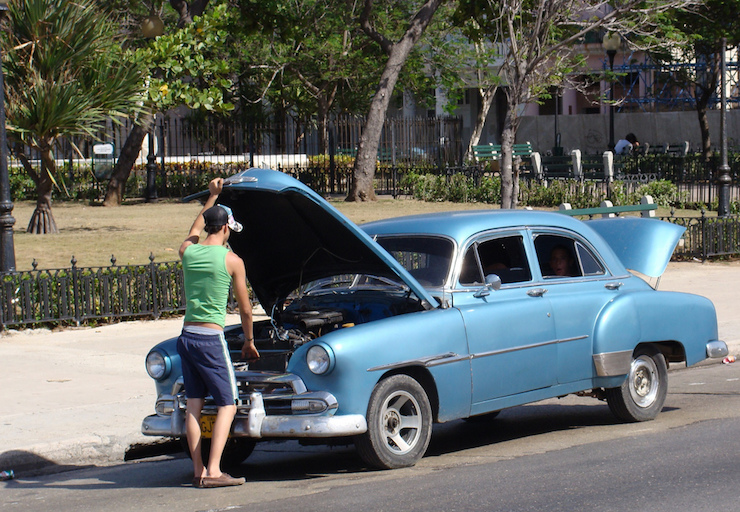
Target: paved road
{"x":77,"y":396}
{"x":556,"y":455}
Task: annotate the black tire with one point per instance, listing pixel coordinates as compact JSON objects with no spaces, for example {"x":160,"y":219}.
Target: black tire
{"x":642,"y":394}
{"x":399,"y":424}
{"x":236,"y":451}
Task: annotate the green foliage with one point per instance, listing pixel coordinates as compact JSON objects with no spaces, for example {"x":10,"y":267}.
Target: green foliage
{"x":322,"y":161}
{"x":188,"y":66}
{"x":66,"y":72}
{"x":664,"y":193}
{"x":489,"y":190}
{"x":459,"y":188}
{"x":309,"y":57}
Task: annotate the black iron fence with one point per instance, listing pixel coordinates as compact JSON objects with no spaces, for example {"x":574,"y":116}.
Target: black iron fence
{"x":707,"y":237}
{"x":80,"y":295}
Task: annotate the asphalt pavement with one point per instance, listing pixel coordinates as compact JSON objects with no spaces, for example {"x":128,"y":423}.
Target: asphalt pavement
{"x":75,"y":397}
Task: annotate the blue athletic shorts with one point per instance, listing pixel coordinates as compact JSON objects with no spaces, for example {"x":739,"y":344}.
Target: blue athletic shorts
{"x":207,"y":368}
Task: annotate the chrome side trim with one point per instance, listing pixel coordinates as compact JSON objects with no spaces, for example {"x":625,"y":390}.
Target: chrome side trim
{"x":525,"y":347}
{"x":451,"y":357}
{"x":428,"y":361}
{"x":609,"y":364}
{"x":716,"y":349}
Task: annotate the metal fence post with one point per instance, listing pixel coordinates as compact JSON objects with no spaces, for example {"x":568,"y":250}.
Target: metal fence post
{"x":153,"y":273}
{"x":332,"y":162}
{"x":76,"y":291}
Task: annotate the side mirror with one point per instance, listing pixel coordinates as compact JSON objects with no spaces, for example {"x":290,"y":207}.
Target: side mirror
{"x":493,"y":282}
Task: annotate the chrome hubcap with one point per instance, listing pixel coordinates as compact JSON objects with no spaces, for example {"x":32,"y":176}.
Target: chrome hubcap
{"x":643,"y":381}
{"x":401,"y":422}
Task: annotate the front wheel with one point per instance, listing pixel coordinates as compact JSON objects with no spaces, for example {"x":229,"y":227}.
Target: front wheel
{"x":642,"y":395}
{"x":399,"y":424}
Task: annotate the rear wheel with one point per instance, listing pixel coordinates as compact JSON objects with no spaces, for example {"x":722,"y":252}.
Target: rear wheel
{"x":642,"y":395}
{"x":236,"y":451}
{"x":399,"y":424}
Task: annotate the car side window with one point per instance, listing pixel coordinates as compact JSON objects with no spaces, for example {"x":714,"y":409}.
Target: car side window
{"x":502,"y":256}
{"x":562,"y":256}
{"x":589,"y":264}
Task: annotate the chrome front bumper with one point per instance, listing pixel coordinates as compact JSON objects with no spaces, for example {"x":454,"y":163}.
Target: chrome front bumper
{"x":256,"y":424}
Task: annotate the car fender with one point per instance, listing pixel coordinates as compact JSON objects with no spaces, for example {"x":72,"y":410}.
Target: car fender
{"x":651,"y":316}
{"x":428,"y":341}
{"x":168,"y":348}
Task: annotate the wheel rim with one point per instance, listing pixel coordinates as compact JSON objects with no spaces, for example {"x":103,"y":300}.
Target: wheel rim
{"x":401,"y":422}
{"x":644,"y":381}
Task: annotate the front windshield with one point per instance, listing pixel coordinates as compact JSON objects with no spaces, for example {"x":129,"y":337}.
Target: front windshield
{"x":426,"y":258}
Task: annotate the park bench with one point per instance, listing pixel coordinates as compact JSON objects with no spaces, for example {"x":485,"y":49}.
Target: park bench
{"x":555,"y":167}
{"x":522,"y":152}
{"x":385,"y":155}
{"x":678,"y":149}
{"x":646,"y":208}
{"x":574,"y":166}
{"x":493,"y":151}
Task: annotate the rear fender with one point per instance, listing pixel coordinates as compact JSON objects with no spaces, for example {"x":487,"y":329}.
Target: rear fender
{"x":643,"y":317}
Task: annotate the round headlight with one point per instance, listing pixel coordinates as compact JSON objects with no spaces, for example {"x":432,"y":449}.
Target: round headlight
{"x":157,"y":365}
{"x":319,"y":359}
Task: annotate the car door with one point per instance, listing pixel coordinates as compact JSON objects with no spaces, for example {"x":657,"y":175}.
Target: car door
{"x":577,"y":291}
{"x":510,"y":330}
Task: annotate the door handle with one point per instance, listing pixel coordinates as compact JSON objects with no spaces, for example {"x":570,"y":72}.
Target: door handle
{"x":537,"y":292}
{"x":613,"y":286}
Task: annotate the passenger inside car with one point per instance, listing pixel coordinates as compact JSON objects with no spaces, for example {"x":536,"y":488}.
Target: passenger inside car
{"x":561,"y":262}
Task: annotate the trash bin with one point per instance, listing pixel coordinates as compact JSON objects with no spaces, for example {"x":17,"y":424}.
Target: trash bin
{"x":103,"y":161}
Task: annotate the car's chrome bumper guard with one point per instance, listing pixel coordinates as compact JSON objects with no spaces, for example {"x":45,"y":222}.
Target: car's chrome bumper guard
{"x":312,"y":413}
{"x":717,"y":349}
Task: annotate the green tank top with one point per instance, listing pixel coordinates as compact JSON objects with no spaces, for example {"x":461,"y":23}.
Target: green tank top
{"x":206,"y":283}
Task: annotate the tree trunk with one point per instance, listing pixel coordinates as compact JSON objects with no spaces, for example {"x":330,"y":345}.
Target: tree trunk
{"x":704,"y":92}
{"x":186,"y":10}
{"x":323,"y":121}
{"x":126,"y":161}
{"x":364,"y":168}
{"x":509,"y":175}
{"x":486,"y":96}
{"x":706,"y":141}
{"x":42,"y":221}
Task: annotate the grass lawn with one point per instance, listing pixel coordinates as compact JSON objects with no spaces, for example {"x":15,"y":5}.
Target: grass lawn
{"x":92,"y":234}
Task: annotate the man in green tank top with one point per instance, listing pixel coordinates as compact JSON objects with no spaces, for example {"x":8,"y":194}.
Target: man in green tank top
{"x":209,"y":269}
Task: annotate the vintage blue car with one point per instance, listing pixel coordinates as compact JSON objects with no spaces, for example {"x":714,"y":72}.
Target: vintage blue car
{"x":376,"y":333}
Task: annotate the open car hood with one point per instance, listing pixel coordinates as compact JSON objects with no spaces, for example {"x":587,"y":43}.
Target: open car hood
{"x":644,"y":245}
{"x":292,"y":236}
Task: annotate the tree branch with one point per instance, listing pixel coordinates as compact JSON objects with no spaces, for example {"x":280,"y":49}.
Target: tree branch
{"x":186,"y":10}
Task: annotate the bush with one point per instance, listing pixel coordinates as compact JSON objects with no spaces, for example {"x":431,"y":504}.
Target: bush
{"x":664,"y":193}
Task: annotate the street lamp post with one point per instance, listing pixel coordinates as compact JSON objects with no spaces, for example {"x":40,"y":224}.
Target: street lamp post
{"x":723,"y":209}
{"x":611,"y":44}
{"x":151,"y":28}
{"x":7,"y":249}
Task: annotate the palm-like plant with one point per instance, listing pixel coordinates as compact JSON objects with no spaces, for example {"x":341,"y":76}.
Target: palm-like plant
{"x":65,"y":76}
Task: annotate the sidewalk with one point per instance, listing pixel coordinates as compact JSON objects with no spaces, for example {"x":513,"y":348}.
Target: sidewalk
{"x":77,"y":396}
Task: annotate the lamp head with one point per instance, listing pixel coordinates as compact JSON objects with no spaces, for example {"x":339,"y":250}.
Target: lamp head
{"x":611,"y":41}
{"x":151,"y":27}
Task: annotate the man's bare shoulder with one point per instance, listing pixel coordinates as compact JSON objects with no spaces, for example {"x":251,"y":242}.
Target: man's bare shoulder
{"x":234,"y":263}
